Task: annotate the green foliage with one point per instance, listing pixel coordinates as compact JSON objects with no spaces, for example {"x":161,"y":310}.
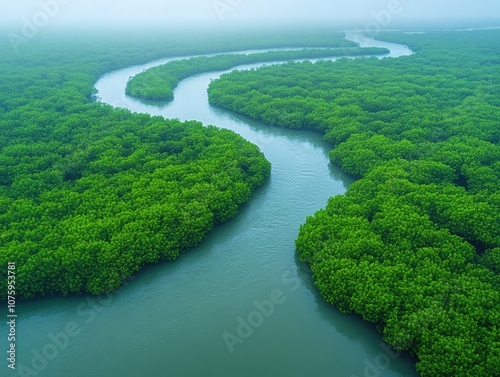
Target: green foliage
{"x":414,"y":244}
{"x":90,"y":194}
{"x":158,"y":83}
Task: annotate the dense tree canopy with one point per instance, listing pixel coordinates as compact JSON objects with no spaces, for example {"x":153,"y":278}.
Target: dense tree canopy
{"x":158,"y":83}
{"x":89,"y":194}
{"x":414,"y":244}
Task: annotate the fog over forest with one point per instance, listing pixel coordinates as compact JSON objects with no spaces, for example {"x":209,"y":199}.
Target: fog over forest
{"x":224,"y":13}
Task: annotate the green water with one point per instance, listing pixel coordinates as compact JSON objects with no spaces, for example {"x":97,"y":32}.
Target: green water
{"x":240,"y":304}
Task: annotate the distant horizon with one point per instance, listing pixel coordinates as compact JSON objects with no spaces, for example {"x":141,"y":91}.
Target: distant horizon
{"x":283,"y":25}
{"x":224,"y":14}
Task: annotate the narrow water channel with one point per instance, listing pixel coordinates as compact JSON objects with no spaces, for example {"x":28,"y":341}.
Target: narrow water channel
{"x":240,"y":304}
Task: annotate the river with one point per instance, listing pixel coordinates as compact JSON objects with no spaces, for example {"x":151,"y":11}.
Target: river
{"x":240,"y":304}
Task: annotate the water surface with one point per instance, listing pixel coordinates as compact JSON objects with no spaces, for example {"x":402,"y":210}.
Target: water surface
{"x":182,"y":318}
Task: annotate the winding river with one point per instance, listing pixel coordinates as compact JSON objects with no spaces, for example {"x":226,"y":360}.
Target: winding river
{"x":202,"y":314}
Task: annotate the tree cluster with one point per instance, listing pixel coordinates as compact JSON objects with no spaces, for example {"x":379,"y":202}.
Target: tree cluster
{"x":89,"y":194}
{"x":414,"y":245}
{"x":158,"y":83}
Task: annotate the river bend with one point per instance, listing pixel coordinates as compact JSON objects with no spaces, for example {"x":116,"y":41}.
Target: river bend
{"x":174,"y":318}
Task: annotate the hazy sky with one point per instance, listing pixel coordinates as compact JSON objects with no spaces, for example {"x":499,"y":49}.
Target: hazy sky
{"x":108,"y":12}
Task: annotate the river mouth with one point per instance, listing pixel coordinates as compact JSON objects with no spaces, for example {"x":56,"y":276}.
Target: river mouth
{"x":209,"y":312}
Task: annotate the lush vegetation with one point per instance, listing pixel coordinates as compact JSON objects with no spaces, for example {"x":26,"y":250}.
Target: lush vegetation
{"x":158,"y":83}
{"x":414,"y":245}
{"x":88,"y":193}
